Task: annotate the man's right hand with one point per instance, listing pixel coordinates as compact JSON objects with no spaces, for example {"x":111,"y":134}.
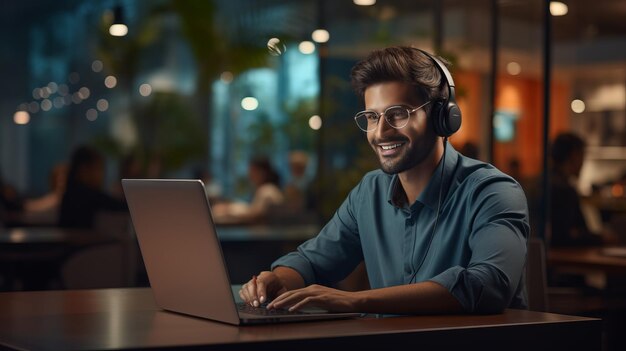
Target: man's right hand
{"x":268,"y":285}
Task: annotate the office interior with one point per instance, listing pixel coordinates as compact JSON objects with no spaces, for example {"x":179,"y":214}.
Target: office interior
{"x":196,"y":89}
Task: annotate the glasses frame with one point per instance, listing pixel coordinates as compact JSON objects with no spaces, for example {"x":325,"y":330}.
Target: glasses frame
{"x":409,"y":111}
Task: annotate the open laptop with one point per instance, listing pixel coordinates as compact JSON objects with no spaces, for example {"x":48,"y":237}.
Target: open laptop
{"x":183,"y":256}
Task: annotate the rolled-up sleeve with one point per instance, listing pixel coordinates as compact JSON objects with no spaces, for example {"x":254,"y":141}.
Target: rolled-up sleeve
{"x":497,"y":241}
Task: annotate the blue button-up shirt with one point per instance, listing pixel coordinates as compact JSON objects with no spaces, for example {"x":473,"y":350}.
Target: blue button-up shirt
{"x":477,"y":252}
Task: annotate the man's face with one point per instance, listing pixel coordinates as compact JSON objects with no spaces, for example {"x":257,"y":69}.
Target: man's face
{"x":399,"y":150}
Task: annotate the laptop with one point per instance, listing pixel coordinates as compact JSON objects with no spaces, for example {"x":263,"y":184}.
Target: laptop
{"x":183,"y":257}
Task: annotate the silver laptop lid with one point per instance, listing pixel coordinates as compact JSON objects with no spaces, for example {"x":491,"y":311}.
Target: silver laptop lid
{"x":180,"y":248}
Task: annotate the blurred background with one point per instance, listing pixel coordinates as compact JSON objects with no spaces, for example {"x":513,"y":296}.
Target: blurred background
{"x":199,"y":89}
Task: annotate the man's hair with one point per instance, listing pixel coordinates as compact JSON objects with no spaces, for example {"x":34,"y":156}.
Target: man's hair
{"x":564,"y":146}
{"x":402,"y":64}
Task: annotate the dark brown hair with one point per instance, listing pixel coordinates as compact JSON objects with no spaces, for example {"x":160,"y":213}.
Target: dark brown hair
{"x":403,"y":64}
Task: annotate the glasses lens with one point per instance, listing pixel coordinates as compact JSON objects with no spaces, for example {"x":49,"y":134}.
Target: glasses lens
{"x":366,"y":120}
{"x":397,"y":117}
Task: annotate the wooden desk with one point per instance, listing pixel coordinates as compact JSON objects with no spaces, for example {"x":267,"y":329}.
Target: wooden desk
{"x":129,"y":319}
{"x":585,"y":259}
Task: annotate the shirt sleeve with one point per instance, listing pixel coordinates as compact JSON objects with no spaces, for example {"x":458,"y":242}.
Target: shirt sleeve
{"x":334,"y":252}
{"x":499,"y":229}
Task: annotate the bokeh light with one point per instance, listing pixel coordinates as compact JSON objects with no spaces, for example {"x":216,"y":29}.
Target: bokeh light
{"x":118,"y":30}
{"x":33,"y":107}
{"x":249,"y":103}
{"x":513,"y":68}
{"x":145,"y":89}
{"x":76,"y":98}
{"x":97,"y":66}
{"x":91,"y":114}
{"x":53,"y":87}
{"x":578,"y":106}
{"x":320,"y":35}
{"x":276,"y":47}
{"x":110,"y":82}
{"x":558,"y":8}
{"x":306,"y":47}
{"x":84,"y":93}
{"x":21,"y":117}
{"x":46,"y":105}
{"x":315,"y":122}
{"x":102,"y":105}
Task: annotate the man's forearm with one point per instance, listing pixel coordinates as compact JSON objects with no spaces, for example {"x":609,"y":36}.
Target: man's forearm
{"x":420,"y":298}
{"x":290,"y":278}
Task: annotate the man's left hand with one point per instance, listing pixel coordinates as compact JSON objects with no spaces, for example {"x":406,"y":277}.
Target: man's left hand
{"x":318,"y":296}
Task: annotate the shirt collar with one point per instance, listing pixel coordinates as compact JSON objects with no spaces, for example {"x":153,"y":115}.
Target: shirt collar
{"x":430,"y":196}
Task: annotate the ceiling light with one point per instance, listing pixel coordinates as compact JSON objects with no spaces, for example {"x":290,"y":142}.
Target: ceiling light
{"x":364,"y":2}
{"x":558,"y":8}
{"x":118,"y":28}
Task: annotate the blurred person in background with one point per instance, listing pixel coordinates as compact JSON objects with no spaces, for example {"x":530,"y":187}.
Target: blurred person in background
{"x":44,"y":210}
{"x":567,"y":222}
{"x":266,"y":196}
{"x":84,"y":196}
{"x":297,"y":188}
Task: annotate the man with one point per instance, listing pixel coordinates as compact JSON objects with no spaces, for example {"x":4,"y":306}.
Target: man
{"x":438,"y":232}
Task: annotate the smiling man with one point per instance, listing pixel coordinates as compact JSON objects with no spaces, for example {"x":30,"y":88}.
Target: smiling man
{"x":438,"y":232}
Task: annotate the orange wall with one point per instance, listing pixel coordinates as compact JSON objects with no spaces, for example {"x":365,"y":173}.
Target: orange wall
{"x":469,"y":100}
{"x":524,"y":95}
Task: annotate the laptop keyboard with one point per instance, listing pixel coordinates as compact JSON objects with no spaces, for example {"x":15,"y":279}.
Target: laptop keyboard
{"x":263,"y":311}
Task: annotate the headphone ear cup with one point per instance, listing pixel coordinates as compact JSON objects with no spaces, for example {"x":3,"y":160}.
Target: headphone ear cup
{"x":437,"y":113}
{"x":451,"y":119}
{"x":446,"y":119}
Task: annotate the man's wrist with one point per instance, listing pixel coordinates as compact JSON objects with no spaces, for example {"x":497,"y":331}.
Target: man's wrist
{"x":289,"y":278}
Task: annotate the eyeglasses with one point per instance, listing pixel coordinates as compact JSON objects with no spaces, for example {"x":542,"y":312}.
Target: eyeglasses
{"x":396,"y":116}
